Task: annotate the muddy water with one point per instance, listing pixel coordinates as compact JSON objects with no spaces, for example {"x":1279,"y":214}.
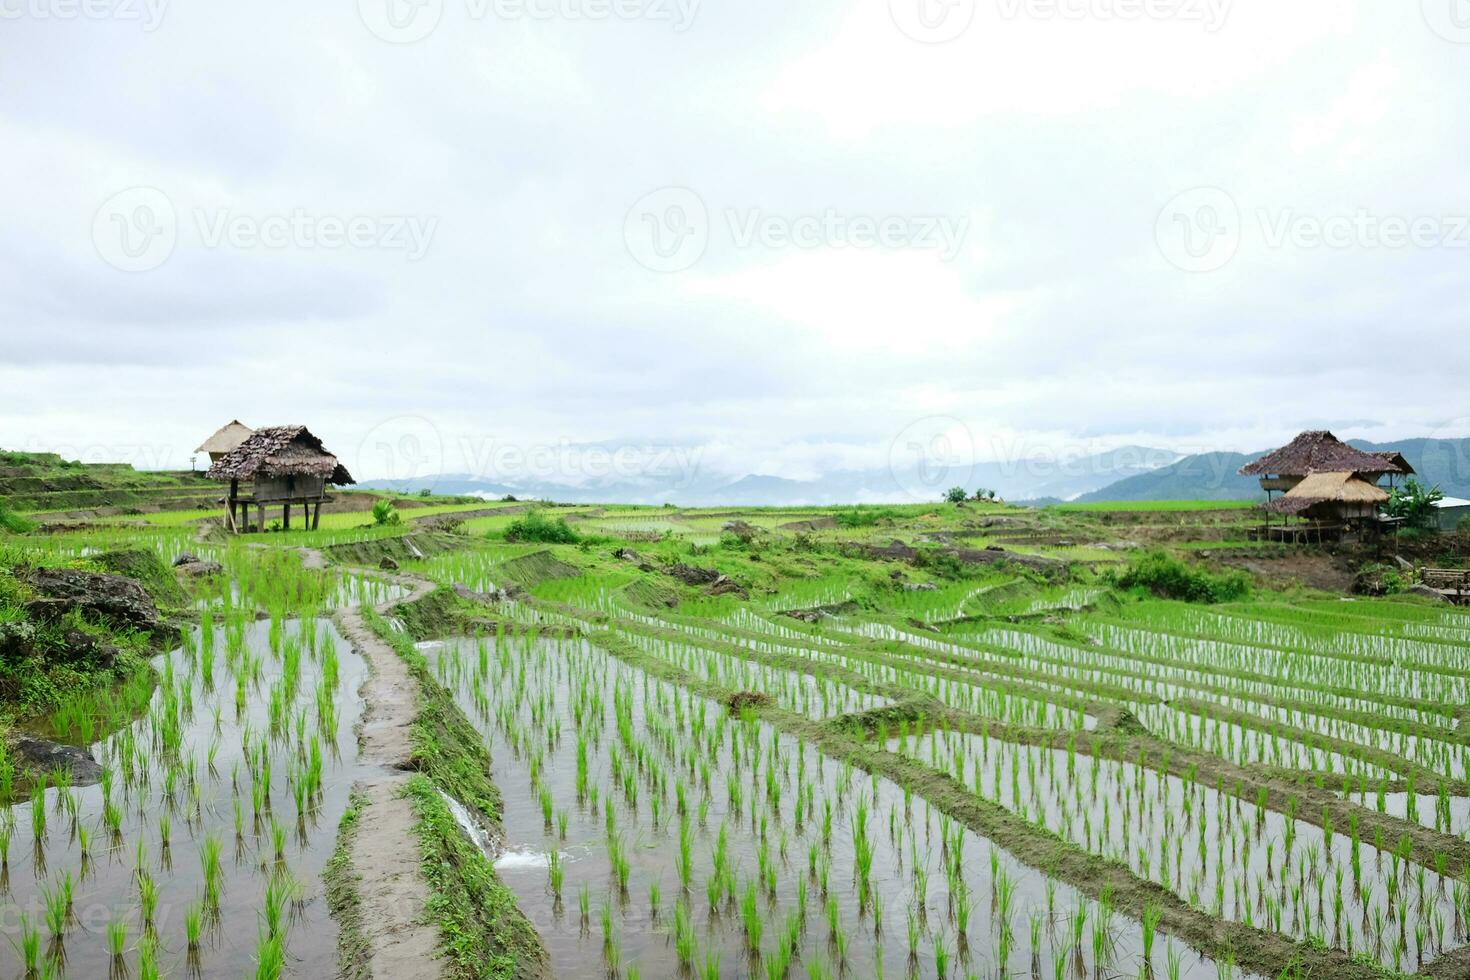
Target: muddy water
{"x":525,"y":699}
{"x":1218,"y":853}
{"x":107,"y":882}
{"x":1248,"y":746}
{"x":805,"y":694}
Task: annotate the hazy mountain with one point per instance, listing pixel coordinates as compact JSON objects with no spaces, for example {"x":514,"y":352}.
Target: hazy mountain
{"x":1208,"y":476}
{"x":1033,"y":478}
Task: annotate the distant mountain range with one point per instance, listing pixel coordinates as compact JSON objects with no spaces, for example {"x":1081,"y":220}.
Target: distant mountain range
{"x":1213,"y":476}
{"x":1126,"y":474}
{"x":1063,"y":479}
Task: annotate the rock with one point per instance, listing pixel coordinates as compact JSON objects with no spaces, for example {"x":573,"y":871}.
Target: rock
{"x":724,"y":585}
{"x":85,"y":647}
{"x":746,"y":533}
{"x":112,"y":599}
{"x":200,"y":569}
{"x":388,"y":564}
{"x":690,"y":575}
{"x":187,"y":558}
{"x":46,"y":756}
{"x":920,"y":587}
{"x":1427,"y":593}
{"x":1403,"y":564}
{"x":444,"y":523}
{"x":741,"y":700}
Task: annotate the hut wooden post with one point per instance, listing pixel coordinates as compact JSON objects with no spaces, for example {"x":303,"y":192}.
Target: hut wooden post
{"x":286,"y":466}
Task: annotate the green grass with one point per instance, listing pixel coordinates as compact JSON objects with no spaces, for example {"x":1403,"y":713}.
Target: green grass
{"x":484,"y":933}
{"x":343,"y":898}
{"x":1154,"y":506}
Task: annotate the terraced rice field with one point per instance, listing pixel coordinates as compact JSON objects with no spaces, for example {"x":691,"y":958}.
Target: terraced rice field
{"x":985,"y":778}
{"x":200,"y":850}
{"x":1295,"y":771}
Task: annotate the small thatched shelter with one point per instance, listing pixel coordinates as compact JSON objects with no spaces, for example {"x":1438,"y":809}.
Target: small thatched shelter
{"x":1322,"y":452}
{"x":1331,"y":496}
{"x":226,"y":440}
{"x":1327,"y":482}
{"x":285,"y":465}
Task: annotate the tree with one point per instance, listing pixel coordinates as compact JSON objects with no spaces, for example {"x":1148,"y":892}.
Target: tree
{"x":956,"y":495}
{"x":1414,"y":502}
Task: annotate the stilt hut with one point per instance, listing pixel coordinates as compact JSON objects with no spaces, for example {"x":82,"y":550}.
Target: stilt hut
{"x":226,"y":440}
{"x":1326,"y":482}
{"x":284,"y":465}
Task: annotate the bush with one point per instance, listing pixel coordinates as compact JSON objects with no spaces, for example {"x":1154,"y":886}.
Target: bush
{"x":956,"y":495}
{"x":12,"y":522}
{"x":1415,"y":503}
{"x":866,"y":516}
{"x":1167,"y":577}
{"x":942,"y":564}
{"x":384,"y":513}
{"x":538,"y":528}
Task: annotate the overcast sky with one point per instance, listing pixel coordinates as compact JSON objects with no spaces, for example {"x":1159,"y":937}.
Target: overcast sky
{"x":783,"y":233}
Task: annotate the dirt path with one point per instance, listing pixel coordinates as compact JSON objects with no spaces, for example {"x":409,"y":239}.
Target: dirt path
{"x":383,"y":860}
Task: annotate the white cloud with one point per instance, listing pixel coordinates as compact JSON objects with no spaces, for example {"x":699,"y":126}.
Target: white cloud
{"x":1057,"y":322}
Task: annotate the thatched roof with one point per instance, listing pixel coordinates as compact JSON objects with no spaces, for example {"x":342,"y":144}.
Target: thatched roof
{"x":1328,"y":488}
{"x":281,"y":450}
{"x":227,"y":439}
{"x":1323,"y":452}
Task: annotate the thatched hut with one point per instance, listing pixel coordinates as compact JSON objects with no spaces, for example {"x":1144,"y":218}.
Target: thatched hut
{"x":1322,"y":452}
{"x":226,"y":440}
{"x":285,"y":465}
{"x":1327,"y":482}
{"x":1331,"y":497}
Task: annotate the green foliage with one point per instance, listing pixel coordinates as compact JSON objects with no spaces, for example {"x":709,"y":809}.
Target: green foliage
{"x":1165,"y":576}
{"x":426,"y":492}
{"x":943,"y":564}
{"x":384,"y":513}
{"x":483,"y":931}
{"x":956,"y":495}
{"x":13,"y":523}
{"x":1414,"y":502}
{"x":538,"y":528}
{"x":867,"y":516}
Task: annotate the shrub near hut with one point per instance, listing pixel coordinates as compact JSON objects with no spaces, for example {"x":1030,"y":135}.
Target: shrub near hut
{"x":1167,"y":577}
{"x":537,"y":527}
